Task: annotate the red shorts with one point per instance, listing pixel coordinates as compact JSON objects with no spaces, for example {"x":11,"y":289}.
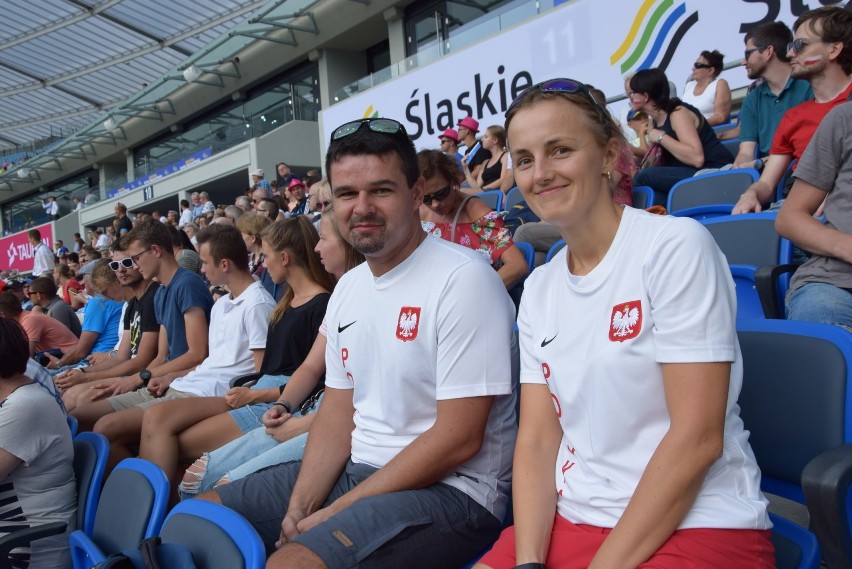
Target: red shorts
{"x":574,"y":545}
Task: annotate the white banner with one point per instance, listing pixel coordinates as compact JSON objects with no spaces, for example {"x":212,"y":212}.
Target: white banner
{"x":594,"y":41}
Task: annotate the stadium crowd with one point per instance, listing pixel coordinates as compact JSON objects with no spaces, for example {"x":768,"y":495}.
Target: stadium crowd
{"x":374,"y":417}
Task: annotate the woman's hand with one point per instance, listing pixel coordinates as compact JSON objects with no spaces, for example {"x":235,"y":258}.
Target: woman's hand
{"x":275,"y":416}
{"x":239,"y":397}
{"x":290,"y":429}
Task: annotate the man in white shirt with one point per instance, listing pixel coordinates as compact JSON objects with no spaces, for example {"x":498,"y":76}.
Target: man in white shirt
{"x":411,"y":450}
{"x":43,"y":261}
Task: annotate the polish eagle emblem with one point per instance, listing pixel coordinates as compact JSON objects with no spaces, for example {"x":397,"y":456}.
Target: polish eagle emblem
{"x":407,"y":325}
{"x":626,"y":321}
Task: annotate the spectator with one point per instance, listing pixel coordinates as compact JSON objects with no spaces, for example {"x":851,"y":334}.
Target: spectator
{"x":44,"y":332}
{"x":197,"y":206}
{"x":244,"y":203}
{"x":124,"y":223}
{"x":450,"y":146}
{"x":687,"y":140}
{"x":258,"y":183}
{"x":822,"y":55}
{"x":494,"y":174}
{"x":705,"y":91}
{"x":91,"y":197}
{"x":474,"y":155}
{"x":36,"y":458}
{"x":318,"y":200}
{"x":110,"y":234}
{"x":820,"y":288}
{"x":232,"y":212}
{"x":191,"y":231}
{"x":43,"y":261}
{"x":285,"y":176}
{"x":101,"y":239}
{"x":201,"y":221}
{"x":312,"y":176}
{"x":268,"y":207}
{"x":210,"y":422}
{"x":299,"y":201}
{"x":138,"y":345}
{"x":252,"y":227}
{"x":207,"y":206}
{"x":184,"y":251}
{"x":236,"y":343}
{"x":78,"y":242}
{"x":78,"y":205}
{"x":63,"y":276}
{"x":762,"y":110}
{"x":172,"y":218}
{"x":43,"y":294}
{"x":457,"y":415}
{"x":185,"y":213}
{"x":450,"y":214}
{"x":100,"y":321}
{"x":639,"y":280}
{"x":51,"y":208}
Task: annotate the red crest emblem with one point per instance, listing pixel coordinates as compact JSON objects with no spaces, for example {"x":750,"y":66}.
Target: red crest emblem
{"x":408,"y":323}
{"x":626,"y":321}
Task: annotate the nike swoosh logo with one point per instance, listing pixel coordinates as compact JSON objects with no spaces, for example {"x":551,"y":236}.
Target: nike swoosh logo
{"x":342,"y":328}
{"x":546,"y":341}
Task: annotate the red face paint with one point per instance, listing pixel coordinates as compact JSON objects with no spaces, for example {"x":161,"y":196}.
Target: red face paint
{"x":812,"y":60}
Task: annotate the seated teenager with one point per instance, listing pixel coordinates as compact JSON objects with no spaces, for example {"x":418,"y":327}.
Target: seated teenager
{"x":631,"y":451}
{"x":180,"y":431}
{"x":138,"y":346}
{"x":284,"y":433}
{"x":36,"y":457}
{"x":450,"y":214}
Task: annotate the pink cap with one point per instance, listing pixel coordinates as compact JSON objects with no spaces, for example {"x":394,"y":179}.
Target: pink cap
{"x":295,"y":182}
{"x":469,"y":123}
{"x":451,"y":134}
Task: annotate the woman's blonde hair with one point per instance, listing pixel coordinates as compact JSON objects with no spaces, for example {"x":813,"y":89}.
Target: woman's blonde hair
{"x":299,"y":238}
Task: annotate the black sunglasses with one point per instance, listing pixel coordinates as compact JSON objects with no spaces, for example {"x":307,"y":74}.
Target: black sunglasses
{"x":563,"y":85}
{"x":382,"y":126}
{"x":323,"y":205}
{"x":747,"y":53}
{"x":796,"y":46}
{"x":699,"y":65}
{"x":127,"y":263}
{"x":437,"y":196}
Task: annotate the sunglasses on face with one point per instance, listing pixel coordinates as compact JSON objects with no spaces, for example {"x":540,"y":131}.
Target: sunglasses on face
{"x":382,"y":126}
{"x":563,"y":85}
{"x":323,"y":205}
{"x":699,"y":65}
{"x":796,"y":46}
{"x":747,"y":53}
{"x":127,"y":263}
{"x":437,"y":196}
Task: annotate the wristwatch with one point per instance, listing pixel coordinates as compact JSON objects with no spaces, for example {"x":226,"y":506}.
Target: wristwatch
{"x":758,"y":164}
{"x":145,"y":376}
{"x":661,"y":137}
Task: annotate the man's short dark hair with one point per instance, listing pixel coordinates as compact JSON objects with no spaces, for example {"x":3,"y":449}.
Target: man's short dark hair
{"x":184,"y":203}
{"x":34,"y":234}
{"x":272,"y":206}
{"x":16,"y":349}
{"x":365,"y":142}
{"x":834,"y":25}
{"x":225,"y":242}
{"x":10,"y":306}
{"x":150,"y":232}
{"x":776,"y":34}
{"x":45,"y":286}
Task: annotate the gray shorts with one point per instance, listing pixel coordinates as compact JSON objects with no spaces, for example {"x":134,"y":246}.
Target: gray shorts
{"x":433,"y":527}
{"x":143,"y":399}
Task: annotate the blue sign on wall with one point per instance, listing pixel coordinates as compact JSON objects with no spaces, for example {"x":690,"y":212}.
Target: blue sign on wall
{"x":161,"y":173}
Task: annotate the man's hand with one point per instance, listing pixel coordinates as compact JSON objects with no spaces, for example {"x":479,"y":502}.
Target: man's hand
{"x":239,"y":396}
{"x":315,"y":519}
{"x":158,"y":386}
{"x":289,"y":528}
{"x":69,"y":378}
{"x":53,"y":361}
{"x":275,"y":416}
{"x":287,"y":431}
{"x":104,"y":389}
{"x":97,"y":357}
{"x":747,"y":203}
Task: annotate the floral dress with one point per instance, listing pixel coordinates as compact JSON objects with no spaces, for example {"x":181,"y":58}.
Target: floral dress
{"x":487,"y":235}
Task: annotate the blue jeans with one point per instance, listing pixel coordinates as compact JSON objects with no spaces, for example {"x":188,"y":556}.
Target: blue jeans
{"x":821,"y":302}
{"x":661,"y":179}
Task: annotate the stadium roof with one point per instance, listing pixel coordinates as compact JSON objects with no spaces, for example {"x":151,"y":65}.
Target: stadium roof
{"x":64,"y":62}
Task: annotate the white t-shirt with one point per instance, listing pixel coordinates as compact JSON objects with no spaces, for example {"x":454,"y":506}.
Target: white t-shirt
{"x":437,"y":326}
{"x":41,"y":489}
{"x":236,"y":327}
{"x":42,"y":259}
{"x":662,"y":294}
{"x":705,"y":102}
{"x":185,"y":217}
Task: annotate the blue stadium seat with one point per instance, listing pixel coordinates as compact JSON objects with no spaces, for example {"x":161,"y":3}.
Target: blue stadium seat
{"x":131,"y":508}
{"x":643,"y":197}
{"x":732,"y":145}
{"x":494,"y":198}
{"x":554,"y":249}
{"x":529,"y":253}
{"x":795,"y":547}
{"x":513,"y":197}
{"x":723,"y":187}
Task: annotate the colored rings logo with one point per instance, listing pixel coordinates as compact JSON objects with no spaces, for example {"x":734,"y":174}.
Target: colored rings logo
{"x":657,"y":23}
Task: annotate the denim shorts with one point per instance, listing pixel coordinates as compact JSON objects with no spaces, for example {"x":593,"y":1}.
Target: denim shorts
{"x":249,"y":417}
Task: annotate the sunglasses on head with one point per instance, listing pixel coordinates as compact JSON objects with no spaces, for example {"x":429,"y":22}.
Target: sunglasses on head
{"x":382,"y":126}
{"x":127,"y":263}
{"x":437,"y":196}
{"x":699,"y":65}
{"x":563,"y":85}
{"x":796,"y":46}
